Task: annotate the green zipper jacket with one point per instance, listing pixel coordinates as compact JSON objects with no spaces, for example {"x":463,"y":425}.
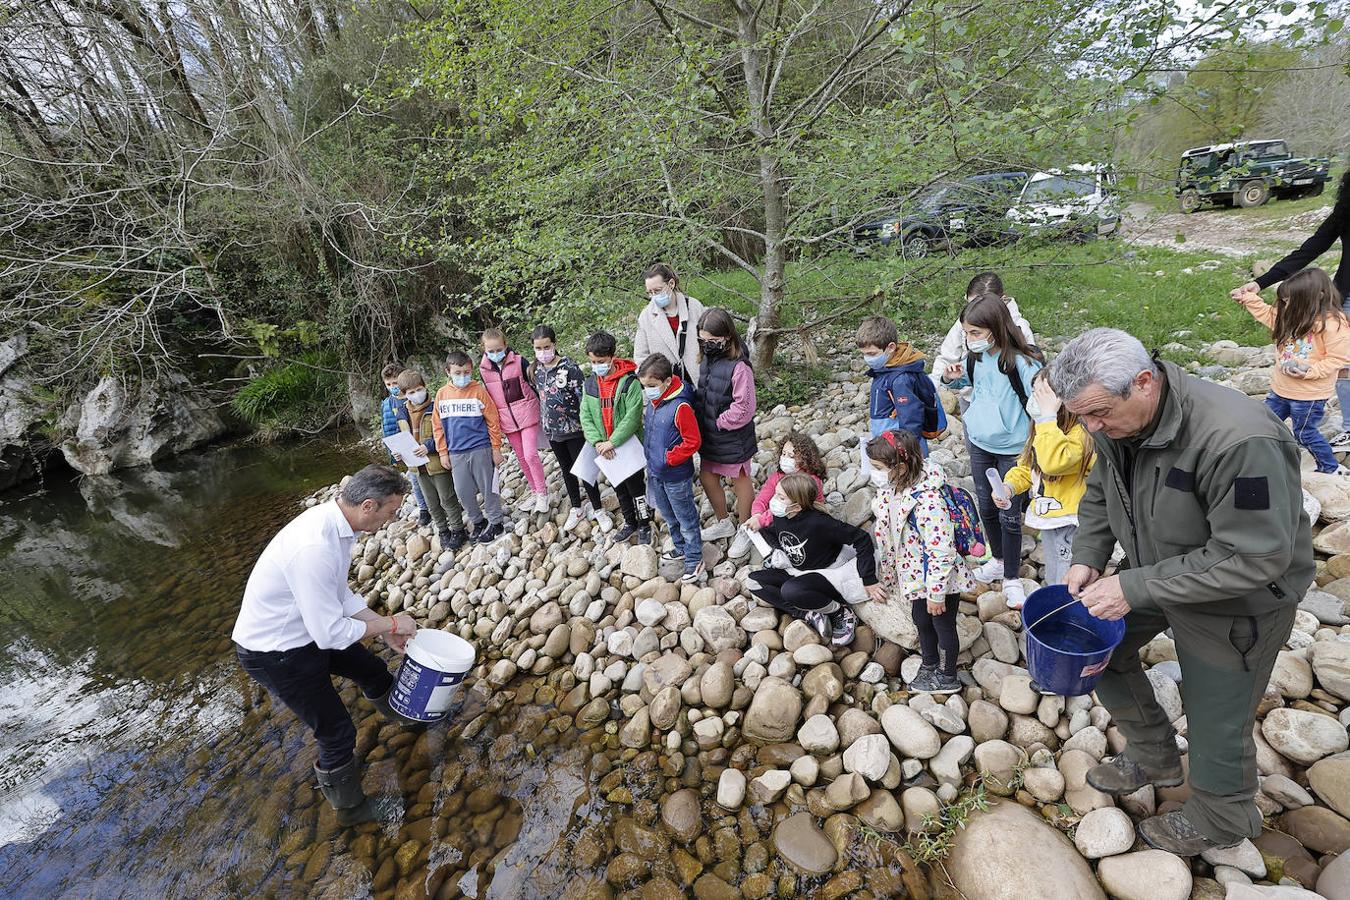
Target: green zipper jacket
{"x":612,"y":407}
{"x":1212,"y":518}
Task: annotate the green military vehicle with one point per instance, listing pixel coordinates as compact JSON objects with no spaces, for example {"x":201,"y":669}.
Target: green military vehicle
{"x":1247,"y":174}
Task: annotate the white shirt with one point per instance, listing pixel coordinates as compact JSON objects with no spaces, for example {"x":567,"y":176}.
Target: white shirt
{"x":297,"y":592}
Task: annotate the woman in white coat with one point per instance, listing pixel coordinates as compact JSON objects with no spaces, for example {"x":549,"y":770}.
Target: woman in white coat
{"x":668,"y":324}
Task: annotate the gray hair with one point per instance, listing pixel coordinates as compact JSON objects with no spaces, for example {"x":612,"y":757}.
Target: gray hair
{"x":374,"y":482}
{"x":1107,"y":357}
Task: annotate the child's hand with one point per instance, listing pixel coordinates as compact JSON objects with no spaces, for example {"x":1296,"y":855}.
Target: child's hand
{"x":1250,"y":287}
{"x":751,"y":524}
{"x":1293,"y":370}
{"x":497,"y":458}
{"x":937,"y":607}
{"x":1046,"y":398}
{"x":605,"y":449}
{"x":953,"y":372}
{"x":1003,"y":501}
{"x":877,"y":594}
{"x":445,"y":461}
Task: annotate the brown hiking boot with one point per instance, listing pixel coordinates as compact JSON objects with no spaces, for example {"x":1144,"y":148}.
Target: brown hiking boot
{"x":1175,"y":834}
{"x":1123,"y":775}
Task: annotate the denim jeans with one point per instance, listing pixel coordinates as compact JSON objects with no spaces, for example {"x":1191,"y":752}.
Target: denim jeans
{"x":1305,"y":416}
{"x":1343,"y":384}
{"x":675,"y":501}
{"x":1002,"y":527}
{"x":302,"y":679}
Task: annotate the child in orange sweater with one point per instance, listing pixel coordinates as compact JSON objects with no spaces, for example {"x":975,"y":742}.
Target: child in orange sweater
{"x":1312,"y":341}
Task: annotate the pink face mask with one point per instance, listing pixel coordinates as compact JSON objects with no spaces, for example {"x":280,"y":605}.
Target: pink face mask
{"x":545,"y":356}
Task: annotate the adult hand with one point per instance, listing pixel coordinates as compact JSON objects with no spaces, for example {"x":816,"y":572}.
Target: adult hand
{"x":1250,"y":287}
{"x":397,"y":642}
{"x":445,"y":461}
{"x":953,"y":372}
{"x":404,"y":625}
{"x":1105,"y":600}
{"x":497,"y":458}
{"x":937,"y":607}
{"x":876,"y":593}
{"x":1079,"y":577}
{"x":1046,"y":398}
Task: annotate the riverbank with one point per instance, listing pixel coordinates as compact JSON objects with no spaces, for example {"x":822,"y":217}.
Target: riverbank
{"x":738,"y":757}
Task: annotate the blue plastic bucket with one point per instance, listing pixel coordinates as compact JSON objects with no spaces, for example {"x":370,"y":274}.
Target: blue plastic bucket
{"x":1068,"y":650}
{"x":435,"y":664}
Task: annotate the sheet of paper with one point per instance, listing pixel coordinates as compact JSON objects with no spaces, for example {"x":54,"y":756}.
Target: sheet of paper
{"x":403,"y":445}
{"x":760,"y":544}
{"x":628,"y":458}
{"x":496,"y":480}
{"x":585,"y":467}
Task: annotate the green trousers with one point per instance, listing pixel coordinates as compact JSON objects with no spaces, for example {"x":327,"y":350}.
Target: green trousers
{"x":442,"y":503}
{"x":1225,"y":667}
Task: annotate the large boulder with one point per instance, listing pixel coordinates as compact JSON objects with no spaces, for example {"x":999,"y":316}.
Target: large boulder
{"x":1302,"y":736}
{"x":1010,"y":853}
{"x":774,"y":712}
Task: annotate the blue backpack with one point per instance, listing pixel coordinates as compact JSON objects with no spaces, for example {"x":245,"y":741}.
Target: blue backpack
{"x":966,"y":531}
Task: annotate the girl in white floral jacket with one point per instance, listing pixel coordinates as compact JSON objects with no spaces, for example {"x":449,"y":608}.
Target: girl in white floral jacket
{"x":917,"y":560}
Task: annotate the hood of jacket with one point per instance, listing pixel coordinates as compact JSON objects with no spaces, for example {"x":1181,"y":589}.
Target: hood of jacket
{"x":617,"y":369}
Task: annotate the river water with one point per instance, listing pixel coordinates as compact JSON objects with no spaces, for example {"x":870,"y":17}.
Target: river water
{"x":137,"y":761}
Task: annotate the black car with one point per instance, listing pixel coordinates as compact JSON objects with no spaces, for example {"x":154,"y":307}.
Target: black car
{"x":971,"y":211}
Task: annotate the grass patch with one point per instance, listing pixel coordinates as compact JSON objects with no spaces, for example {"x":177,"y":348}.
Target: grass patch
{"x":298,"y":396}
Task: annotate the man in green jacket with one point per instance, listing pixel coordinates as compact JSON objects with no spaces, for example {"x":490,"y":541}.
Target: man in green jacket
{"x":1200,"y":485}
{"x":611,"y":415}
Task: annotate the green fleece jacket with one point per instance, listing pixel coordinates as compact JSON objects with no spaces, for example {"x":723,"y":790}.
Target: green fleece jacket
{"x":1211,"y":516}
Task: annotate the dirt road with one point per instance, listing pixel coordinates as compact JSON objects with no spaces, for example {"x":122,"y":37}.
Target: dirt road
{"x":1231,"y":232}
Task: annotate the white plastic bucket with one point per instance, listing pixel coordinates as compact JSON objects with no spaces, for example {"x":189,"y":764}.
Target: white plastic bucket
{"x":435,"y":664}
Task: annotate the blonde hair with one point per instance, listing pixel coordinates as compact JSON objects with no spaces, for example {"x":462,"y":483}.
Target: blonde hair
{"x":801,"y":490}
{"x":1066,"y":422}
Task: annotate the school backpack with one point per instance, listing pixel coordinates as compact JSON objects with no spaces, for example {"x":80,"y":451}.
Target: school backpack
{"x":967,"y":534}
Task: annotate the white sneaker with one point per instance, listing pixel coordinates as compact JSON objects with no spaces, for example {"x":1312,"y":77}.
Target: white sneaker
{"x":741,"y":545}
{"x":573,"y":519}
{"x":527,"y":505}
{"x":695,"y":576}
{"x":990,"y":571}
{"x":541,"y":503}
{"x":1340,"y":441}
{"x":1015,"y":593}
{"x":722,"y":528}
{"x":604,"y":520}
{"x":1341,"y":470}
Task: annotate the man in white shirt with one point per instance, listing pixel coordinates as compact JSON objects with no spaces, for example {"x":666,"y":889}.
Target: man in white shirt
{"x":300,"y":624}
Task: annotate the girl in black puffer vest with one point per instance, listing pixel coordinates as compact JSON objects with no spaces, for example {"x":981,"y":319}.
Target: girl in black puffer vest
{"x":725,"y":403}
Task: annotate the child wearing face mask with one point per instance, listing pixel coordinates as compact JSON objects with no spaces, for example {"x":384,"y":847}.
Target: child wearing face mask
{"x":611,"y":415}
{"x":389,"y":425}
{"x":799,"y":454}
{"x":1000,"y":367}
{"x":725,"y":400}
{"x":917,"y":558}
{"x":819,"y":566}
{"x":670,"y":438}
{"x":469,"y":444}
{"x":667,"y":323}
{"x":1053,"y":471}
{"x":507,"y":381}
{"x":438,"y":485}
{"x":902,"y":397}
{"x":953,"y":349}
{"x":559,"y":382}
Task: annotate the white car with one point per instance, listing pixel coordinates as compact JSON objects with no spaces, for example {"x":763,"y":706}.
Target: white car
{"x":1080,"y":201}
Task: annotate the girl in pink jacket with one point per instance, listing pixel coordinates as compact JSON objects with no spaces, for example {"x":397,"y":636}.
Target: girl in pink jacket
{"x":800,"y":454}
{"x":507,"y":379}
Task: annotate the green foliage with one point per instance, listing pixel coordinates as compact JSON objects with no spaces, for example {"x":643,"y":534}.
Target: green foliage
{"x":790,"y":384}
{"x":302,"y":395}
{"x":933,"y":844}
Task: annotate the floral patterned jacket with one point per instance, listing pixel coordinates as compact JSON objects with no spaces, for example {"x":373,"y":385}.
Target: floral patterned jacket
{"x":918,"y":563}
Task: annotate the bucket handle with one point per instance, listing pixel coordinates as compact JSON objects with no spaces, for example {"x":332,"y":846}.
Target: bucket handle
{"x":1072,"y":601}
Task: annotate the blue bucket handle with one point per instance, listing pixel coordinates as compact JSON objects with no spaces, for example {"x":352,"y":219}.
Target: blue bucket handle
{"x":1057,"y":609}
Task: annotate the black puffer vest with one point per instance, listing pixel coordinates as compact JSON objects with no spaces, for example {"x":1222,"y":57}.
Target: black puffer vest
{"x":711,"y":399}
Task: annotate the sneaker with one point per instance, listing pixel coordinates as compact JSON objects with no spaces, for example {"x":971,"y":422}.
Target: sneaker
{"x":1174,"y":833}
{"x":1015,"y":593}
{"x":644,"y":535}
{"x":458,"y":538}
{"x":624,"y":534}
{"x":989,"y":572}
{"x":695,"y":575}
{"x":1341,"y":470}
{"x":527,"y":505}
{"x":672,"y":556}
{"x":477,"y":528}
{"x":720,"y":529}
{"x":924,"y":672}
{"x":934,"y":682}
{"x":820,"y":622}
{"x":541,"y":503}
{"x":489,"y":534}
{"x":1122,"y":775}
{"x":844,"y":626}
{"x":1340,"y":441}
{"x":573,"y":519}
{"x":740,"y":546}
{"x":603,"y":520}
{"x":445,"y":539}
{"x":423,"y":519}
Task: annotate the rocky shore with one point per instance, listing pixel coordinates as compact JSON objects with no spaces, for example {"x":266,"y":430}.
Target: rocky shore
{"x":740,"y":757}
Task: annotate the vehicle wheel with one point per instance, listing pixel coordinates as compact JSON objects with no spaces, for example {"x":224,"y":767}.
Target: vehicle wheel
{"x":1252,"y":193}
{"x":915,"y":246}
{"x":1190,"y":200}
{"x":1315,"y":190}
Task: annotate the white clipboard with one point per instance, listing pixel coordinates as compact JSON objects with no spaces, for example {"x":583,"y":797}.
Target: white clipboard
{"x":628,"y":458}
{"x":585,"y":467}
{"x":403,"y":445}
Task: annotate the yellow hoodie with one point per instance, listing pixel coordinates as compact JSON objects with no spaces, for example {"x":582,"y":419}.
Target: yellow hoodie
{"x":1057,"y":490}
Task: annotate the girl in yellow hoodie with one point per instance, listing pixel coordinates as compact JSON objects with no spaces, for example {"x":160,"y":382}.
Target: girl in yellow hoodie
{"x":1054,"y":467}
{"x":1312,"y":341}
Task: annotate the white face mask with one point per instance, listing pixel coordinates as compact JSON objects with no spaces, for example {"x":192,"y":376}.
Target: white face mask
{"x":778,"y":507}
{"x":880,"y":478}
{"x":787,"y":465}
{"x":1033,"y":408}
{"x":417,"y":397}
{"x":977,"y":346}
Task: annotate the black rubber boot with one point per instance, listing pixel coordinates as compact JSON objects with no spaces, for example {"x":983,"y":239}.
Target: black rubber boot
{"x":383,"y":708}
{"x":342,"y":788}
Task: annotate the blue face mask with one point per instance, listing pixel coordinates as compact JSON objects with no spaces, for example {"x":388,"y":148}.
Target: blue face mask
{"x":461,"y":381}
{"x":662,"y":299}
{"x":977,"y":346}
{"x":653,"y":393}
{"x":393,"y":390}
{"x":496,"y":355}
{"x":876,"y":362}
{"x":600,"y":369}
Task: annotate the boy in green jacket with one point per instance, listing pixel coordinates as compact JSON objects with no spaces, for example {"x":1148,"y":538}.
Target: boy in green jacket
{"x":611,"y":414}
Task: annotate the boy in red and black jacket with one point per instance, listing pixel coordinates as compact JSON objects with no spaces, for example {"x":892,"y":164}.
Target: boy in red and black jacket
{"x":670,"y":438}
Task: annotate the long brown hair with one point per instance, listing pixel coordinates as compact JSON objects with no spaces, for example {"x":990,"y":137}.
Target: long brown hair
{"x":1067,"y":422}
{"x":1303,"y":303}
{"x":988,"y":311}
{"x":806,"y":454}
{"x":896,"y":450}
{"x":801,"y":490}
{"x":719,"y":323}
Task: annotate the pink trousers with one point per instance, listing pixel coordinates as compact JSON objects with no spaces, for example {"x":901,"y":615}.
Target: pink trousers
{"x":525,"y":443}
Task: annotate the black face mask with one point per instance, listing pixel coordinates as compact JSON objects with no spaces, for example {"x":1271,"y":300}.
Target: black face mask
{"x":713,"y":348}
